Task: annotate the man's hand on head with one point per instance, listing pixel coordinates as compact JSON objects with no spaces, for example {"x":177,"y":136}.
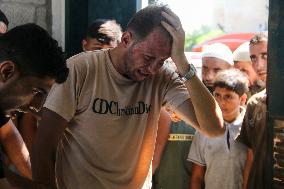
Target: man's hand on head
{"x":174,"y":27}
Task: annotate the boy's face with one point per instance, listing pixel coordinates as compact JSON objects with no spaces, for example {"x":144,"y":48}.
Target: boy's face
{"x":229,"y":102}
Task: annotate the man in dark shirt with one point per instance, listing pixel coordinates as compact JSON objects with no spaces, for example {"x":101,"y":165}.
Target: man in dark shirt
{"x":254,"y":128}
{"x":30,"y":62}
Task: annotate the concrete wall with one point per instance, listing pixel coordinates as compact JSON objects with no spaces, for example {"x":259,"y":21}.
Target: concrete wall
{"x":25,"y":11}
{"x":241,"y":15}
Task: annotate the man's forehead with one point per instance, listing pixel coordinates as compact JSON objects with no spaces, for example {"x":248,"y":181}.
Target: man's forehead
{"x":223,"y":90}
{"x":261,"y":46}
{"x":156,"y":47}
{"x":213,"y":62}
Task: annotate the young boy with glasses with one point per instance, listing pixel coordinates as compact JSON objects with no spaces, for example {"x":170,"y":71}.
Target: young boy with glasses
{"x":222,"y":155}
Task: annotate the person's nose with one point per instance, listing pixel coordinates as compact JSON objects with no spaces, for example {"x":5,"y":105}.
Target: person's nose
{"x":209,"y":76}
{"x":153,"y":68}
{"x":221,"y":101}
{"x":261,"y":65}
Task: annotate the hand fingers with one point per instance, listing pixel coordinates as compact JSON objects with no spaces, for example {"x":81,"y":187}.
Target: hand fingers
{"x":169,"y":28}
{"x":173,"y":31}
{"x":170,"y":12}
{"x":174,"y":21}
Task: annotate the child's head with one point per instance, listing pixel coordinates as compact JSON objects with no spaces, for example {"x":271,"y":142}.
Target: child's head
{"x":230,"y":88}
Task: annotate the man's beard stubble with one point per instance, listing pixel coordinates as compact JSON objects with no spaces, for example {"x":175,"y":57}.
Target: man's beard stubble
{"x":210,"y":88}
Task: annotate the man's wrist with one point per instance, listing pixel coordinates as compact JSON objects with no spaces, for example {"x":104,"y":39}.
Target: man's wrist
{"x":191,"y":72}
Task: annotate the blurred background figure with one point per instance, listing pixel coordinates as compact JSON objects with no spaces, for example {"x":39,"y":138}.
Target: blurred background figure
{"x":174,"y":137}
{"x":102,"y":34}
{"x":243,"y":62}
{"x":215,"y":58}
{"x":254,"y":132}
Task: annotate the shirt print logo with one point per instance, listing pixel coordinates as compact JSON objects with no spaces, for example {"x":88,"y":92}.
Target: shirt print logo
{"x":102,"y":106}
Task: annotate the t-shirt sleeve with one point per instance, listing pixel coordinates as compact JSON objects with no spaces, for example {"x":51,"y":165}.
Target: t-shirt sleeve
{"x":176,"y":92}
{"x":196,"y":152}
{"x":62,"y":98}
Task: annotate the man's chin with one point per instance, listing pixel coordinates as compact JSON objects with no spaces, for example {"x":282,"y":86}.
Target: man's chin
{"x":263,"y":78}
{"x":140,"y":78}
{"x":209,"y":87}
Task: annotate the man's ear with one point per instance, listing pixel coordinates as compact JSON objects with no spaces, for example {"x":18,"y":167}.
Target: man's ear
{"x":7,"y":70}
{"x":243,"y":99}
{"x":127,"y":38}
{"x":84,"y":43}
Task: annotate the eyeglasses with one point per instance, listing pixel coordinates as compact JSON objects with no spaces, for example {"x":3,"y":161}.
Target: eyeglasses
{"x":38,"y":99}
{"x":226,"y":98}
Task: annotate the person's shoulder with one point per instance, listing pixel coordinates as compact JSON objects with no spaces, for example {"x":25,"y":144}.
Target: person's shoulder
{"x":257,"y":98}
{"x":85,"y":60}
{"x":84,"y":56}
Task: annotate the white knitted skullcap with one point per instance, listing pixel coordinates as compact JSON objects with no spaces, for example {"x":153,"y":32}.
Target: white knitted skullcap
{"x":242,"y":53}
{"x":218,"y":50}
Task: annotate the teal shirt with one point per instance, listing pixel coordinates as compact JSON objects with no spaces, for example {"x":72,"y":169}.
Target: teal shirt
{"x":174,"y":171}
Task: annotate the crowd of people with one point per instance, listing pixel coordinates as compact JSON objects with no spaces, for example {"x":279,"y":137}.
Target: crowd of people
{"x":115,"y":116}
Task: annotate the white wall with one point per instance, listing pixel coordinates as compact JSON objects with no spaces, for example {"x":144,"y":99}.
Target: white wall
{"x":241,"y":15}
{"x":58,"y":21}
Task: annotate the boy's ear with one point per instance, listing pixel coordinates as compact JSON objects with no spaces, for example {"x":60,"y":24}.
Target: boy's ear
{"x":7,"y":70}
{"x":243,"y":99}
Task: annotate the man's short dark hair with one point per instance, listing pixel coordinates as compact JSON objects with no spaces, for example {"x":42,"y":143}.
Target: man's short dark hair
{"x":104,"y":31}
{"x":34,"y":52}
{"x":146,"y":20}
{"x":232,"y":79}
{"x":3,"y":18}
{"x":259,"y":37}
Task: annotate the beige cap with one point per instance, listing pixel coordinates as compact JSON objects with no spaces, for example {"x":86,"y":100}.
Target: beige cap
{"x":242,"y":53}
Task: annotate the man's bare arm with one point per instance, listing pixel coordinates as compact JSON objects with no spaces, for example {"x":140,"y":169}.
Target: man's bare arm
{"x":16,"y":149}
{"x":207,"y":115}
{"x":197,"y":177}
{"x":164,"y":125}
{"x":247,"y":167}
{"x":201,"y":111}
{"x":50,"y":130}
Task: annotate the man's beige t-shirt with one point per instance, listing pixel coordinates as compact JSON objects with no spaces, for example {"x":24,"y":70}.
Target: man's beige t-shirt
{"x":110,"y":139}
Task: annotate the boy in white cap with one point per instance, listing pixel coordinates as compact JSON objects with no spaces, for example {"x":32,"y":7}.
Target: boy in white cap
{"x":243,"y":62}
{"x":215,"y":57}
